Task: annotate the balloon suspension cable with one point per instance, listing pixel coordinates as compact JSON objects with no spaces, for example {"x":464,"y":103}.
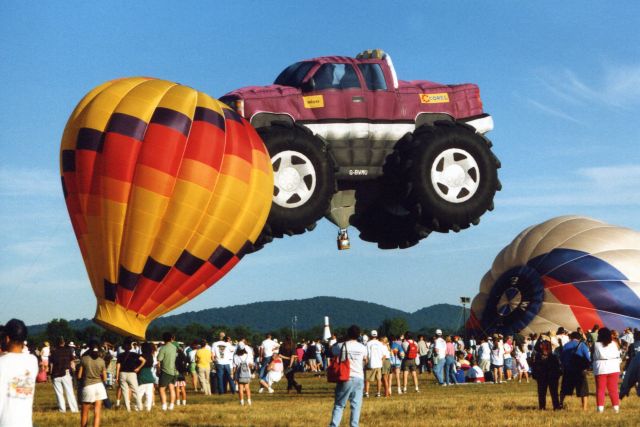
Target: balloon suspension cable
{"x":36,"y":259}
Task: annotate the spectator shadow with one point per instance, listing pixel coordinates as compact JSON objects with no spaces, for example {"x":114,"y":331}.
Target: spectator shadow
{"x":521,"y":407}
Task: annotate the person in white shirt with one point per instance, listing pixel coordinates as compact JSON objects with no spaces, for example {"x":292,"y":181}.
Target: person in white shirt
{"x":474,"y":374}
{"x":18,"y":371}
{"x":627,"y":336}
{"x":223,"y":351}
{"x":440,"y":348}
{"x":266,"y":353}
{"x":606,"y":369}
{"x":350,"y":390}
{"x":497,"y":360}
{"x":484,"y":355}
{"x":46,"y":352}
{"x":375,"y":356}
{"x":508,"y":359}
{"x":522,"y":363}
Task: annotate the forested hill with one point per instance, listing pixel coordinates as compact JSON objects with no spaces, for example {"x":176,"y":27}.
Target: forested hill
{"x":310,"y":312}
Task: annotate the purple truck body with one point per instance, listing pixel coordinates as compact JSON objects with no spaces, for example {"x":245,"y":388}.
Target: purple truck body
{"x":361,"y":123}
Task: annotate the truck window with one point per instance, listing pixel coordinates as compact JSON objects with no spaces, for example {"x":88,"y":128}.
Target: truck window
{"x":336,"y":76}
{"x":373,"y":76}
{"x":294,"y":74}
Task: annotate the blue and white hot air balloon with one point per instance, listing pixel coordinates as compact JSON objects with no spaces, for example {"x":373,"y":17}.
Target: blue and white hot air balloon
{"x":569,"y":271}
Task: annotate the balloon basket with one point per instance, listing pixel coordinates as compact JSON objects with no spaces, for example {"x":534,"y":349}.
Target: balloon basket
{"x":343,"y":240}
{"x":118,"y":319}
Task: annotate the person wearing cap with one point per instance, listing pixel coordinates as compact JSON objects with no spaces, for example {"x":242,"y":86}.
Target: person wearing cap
{"x":243,"y":361}
{"x":61,"y":376}
{"x":375,"y":357}
{"x":18,"y":373}
{"x":440,"y":349}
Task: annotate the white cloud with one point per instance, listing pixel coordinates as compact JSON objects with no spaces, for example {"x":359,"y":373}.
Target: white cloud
{"x":617,"y":86}
{"x":553,"y":111}
{"x":29,"y":182}
{"x":594,"y":186}
{"x":622,"y":83}
{"x":32,"y":247}
{"x":623,"y":177}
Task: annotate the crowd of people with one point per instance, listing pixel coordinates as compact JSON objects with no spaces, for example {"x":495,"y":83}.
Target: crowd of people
{"x":151,"y":374}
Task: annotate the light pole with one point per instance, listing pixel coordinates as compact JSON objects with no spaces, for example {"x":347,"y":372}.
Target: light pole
{"x":464,"y":301}
{"x":294,"y":326}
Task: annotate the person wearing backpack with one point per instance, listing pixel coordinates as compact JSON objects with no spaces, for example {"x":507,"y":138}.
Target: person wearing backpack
{"x":409,"y":362}
{"x":182,"y":367}
{"x":351,"y":390}
{"x":575,"y":359}
{"x":547,"y":371}
{"x":243,"y":362}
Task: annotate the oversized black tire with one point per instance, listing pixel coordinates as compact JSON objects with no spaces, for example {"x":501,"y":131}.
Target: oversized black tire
{"x":381,"y":218}
{"x":303,"y":180}
{"x":449,"y":174}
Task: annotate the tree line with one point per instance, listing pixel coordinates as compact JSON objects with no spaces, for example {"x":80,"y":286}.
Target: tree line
{"x":195,"y":332}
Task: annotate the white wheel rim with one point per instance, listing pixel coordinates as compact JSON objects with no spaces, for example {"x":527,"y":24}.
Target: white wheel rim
{"x":455,"y":175}
{"x":294,"y":179}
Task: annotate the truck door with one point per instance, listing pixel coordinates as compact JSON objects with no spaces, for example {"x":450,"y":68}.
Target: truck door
{"x":340,"y":112}
{"x":385,"y":128}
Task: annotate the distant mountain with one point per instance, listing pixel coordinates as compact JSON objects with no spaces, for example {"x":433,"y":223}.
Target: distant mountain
{"x":271,"y":315}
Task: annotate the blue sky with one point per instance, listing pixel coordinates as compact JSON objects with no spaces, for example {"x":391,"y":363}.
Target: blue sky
{"x":562,"y":80}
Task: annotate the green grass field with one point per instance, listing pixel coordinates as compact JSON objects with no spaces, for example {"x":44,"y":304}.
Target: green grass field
{"x":510,"y":404}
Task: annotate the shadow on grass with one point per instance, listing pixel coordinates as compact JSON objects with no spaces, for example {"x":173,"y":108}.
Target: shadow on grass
{"x":521,"y":407}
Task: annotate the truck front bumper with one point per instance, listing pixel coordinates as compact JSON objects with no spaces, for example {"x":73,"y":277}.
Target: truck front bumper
{"x":482,"y":123}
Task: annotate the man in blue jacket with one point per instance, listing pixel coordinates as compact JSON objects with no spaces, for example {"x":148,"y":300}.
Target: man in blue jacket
{"x":575,"y":360}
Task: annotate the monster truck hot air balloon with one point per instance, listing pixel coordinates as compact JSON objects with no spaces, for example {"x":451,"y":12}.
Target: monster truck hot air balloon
{"x":569,"y":271}
{"x":166,"y":188}
{"x":350,"y":142}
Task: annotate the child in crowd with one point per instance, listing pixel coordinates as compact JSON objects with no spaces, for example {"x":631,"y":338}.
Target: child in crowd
{"x":523,"y":365}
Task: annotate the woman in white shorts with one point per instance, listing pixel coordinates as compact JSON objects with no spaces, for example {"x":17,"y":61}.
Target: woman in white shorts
{"x":92,"y":373}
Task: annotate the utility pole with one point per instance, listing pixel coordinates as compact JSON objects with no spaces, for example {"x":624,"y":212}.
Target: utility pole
{"x":465,"y":301}
{"x":294,"y":327}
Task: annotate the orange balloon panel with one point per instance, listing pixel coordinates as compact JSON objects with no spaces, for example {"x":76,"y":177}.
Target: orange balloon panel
{"x":167,"y":189}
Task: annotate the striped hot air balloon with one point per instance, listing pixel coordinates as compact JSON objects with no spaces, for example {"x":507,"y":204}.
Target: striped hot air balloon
{"x":167,"y":189}
{"x":569,"y":271}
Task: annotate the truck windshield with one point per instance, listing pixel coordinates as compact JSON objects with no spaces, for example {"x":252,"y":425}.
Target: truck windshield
{"x":293,"y":74}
